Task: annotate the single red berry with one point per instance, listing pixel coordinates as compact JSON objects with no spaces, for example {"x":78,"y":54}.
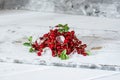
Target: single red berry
{"x":66,"y":41}
{"x":53,"y":53}
{"x":58,"y":47}
{"x":51,"y":46}
{"x":59,"y":52}
{"x":82,"y":50}
{"x":39,"y":53}
{"x":56,"y":30}
{"x":33,"y":45}
{"x":84,"y":54}
{"x":42,"y":46}
{"x":45,"y":35}
{"x":79,"y":42}
{"x":79,"y":51}
{"x":68,"y":33}
{"x":36,"y":43}
{"x":84,"y":46}
{"x":40,"y":50}
{"x":72,"y":32}
{"x":68,"y":37}
{"x":41,"y":38}
{"x":68,"y":51}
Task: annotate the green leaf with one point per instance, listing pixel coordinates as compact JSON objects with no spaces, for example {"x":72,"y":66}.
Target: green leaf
{"x":30,"y":39}
{"x":60,"y":25}
{"x":66,"y":56}
{"x":63,"y":55}
{"x":31,"y":49}
{"x":64,"y":51}
{"x":66,"y":25}
{"x":88,"y":52}
{"x":66,"y":28}
{"x":26,"y":44}
{"x":63,"y":28}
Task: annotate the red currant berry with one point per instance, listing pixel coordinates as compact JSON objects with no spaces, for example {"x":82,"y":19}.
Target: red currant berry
{"x":39,"y":53}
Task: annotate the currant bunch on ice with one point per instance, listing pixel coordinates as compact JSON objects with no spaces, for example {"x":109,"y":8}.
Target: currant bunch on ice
{"x":61,"y":41}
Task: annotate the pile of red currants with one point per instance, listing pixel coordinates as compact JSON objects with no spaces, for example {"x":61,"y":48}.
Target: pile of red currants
{"x":61,"y":42}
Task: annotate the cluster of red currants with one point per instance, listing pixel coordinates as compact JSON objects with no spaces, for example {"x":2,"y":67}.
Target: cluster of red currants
{"x":58,"y":40}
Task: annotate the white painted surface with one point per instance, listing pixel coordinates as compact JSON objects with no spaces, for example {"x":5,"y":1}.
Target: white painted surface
{"x":16,"y":25}
{"x":10,"y":71}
